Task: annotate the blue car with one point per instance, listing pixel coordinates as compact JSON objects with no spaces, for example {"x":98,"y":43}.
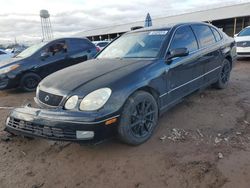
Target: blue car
{"x":28,"y":68}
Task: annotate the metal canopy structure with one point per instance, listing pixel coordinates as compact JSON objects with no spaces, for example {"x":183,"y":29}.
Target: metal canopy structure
{"x":210,"y":15}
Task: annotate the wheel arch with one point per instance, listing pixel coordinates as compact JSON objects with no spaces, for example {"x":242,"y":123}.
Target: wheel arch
{"x":150,"y":90}
{"x":22,"y":76}
{"x":145,"y":88}
{"x":229,"y":58}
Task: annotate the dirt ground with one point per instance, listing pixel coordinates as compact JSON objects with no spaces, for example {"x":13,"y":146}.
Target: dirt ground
{"x":202,"y":142}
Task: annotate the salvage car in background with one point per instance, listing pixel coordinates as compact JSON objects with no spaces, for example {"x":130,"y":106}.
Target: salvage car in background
{"x":243,"y":42}
{"x":5,"y":55}
{"x":38,"y":61}
{"x":100,"y":44}
{"x":130,"y":83}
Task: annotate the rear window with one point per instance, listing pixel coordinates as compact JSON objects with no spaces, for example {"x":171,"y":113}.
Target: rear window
{"x":216,"y":34}
{"x":204,"y":35}
{"x":82,"y":44}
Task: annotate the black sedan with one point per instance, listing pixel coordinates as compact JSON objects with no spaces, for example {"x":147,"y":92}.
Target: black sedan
{"x":28,"y":68}
{"x":131,"y":82}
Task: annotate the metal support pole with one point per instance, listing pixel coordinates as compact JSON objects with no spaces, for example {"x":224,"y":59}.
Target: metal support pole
{"x":235,"y":23}
{"x":51,"y":29}
{"x":243,"y":23}
{"x":42,"y":28}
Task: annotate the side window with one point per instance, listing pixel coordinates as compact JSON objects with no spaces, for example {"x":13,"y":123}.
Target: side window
{"x":184,"y":38}
{"x":57,"y":48}
{"x":216,"y":34}
{"x":82,"y":44}
{"x":204,"y":34}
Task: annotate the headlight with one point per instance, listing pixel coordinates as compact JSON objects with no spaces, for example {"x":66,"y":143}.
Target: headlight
{"x":71,"y":103}
{"x":8,"y":69}
{"x":95,"y":100}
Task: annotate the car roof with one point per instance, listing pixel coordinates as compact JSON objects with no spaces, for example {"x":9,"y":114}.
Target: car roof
{"x":67,"y":38}
{"x":167,"y":27}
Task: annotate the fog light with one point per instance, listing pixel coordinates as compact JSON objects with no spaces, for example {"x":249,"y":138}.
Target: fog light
{"x":84,"y":135}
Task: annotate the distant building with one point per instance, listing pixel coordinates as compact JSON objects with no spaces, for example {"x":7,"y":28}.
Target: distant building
{"x":231,"y":19}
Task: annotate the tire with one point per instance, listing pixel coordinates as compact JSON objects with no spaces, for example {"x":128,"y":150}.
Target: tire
{"x":139,"y":118}
{"x":224,"y":75}
{"x":29,"y":82}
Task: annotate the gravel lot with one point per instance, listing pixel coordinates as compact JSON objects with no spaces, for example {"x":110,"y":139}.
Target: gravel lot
{"x":202,"y":142}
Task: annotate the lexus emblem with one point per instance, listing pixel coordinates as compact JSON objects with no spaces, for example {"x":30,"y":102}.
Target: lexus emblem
{"x":244,"y":43}
{"x":46,"y":98}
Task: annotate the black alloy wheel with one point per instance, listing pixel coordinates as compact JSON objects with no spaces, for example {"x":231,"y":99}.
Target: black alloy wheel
{"x":139,"y":118}
{"x":30,"y":81}
{"x":224,"y":75}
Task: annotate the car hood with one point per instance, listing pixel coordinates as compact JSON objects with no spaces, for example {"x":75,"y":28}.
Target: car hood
{"x":72,"y":78}
{"x":10,"y":61}
{"x":244,"y":38}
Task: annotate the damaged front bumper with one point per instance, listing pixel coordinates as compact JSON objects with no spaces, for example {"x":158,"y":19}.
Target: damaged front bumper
{"x":8,"y":81}
{"x":59,"y":124}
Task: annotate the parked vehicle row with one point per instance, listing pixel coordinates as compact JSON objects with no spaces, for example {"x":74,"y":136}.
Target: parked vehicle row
{"x":128,"y":85}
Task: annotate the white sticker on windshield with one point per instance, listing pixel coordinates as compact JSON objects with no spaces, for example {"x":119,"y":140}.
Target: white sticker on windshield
{"x":158,"y":32}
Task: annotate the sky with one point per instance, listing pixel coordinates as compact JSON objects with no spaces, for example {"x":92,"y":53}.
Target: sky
{"x":20,"y":18}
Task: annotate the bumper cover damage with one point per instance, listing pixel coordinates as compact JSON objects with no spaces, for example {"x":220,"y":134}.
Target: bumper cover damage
{"x":59,"y":124}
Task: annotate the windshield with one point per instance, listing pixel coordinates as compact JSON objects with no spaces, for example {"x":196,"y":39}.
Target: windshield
{"x":31,"y":50}
{"x":135,"y":45}
{"x":245,"y":32}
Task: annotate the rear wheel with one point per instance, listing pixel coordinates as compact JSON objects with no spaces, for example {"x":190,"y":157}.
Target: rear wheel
{"x":30,"y":81}
{"x":224,"y":75}
{"x":139,"y":118}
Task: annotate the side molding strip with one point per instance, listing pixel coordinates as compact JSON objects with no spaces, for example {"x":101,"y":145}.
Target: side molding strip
{"x":190,"y":81}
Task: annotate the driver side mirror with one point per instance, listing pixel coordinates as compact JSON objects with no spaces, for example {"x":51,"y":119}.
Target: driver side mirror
{"x":178,"y":52}
{"x":235,"y":35}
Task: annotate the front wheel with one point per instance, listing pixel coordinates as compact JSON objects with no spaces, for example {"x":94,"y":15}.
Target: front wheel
{"x":138,"y":119}
{"x":30,"y":81}
{"x":224,"y":75}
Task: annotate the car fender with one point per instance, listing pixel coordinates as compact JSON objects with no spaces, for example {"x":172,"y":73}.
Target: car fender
{"x":153,"y":82}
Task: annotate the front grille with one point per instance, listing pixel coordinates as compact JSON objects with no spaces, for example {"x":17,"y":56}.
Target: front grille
{"x":40,"y":130}
{"x":49,"y":99}
{"x":243,"y":44}
{"x":243,"y":53}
